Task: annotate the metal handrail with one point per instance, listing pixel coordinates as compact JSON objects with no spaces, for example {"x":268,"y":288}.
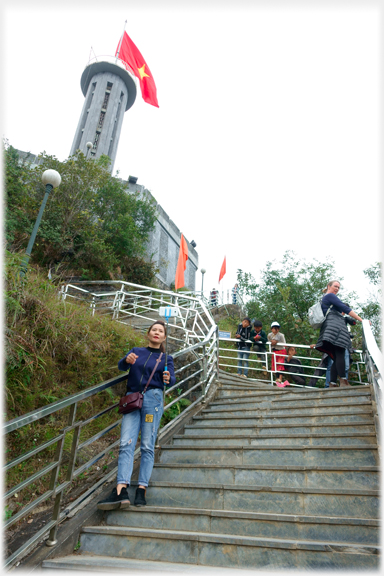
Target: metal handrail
{"x":374,"y":362}
{"x":255,"y":363}
{"x":199,"y":338}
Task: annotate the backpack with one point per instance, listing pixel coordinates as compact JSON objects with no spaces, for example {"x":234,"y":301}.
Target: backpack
{"x":315,"y":315}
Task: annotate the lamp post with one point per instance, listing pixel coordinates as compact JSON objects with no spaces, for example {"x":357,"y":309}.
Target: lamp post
{"x":203,"y":271}
{"x":89,"y":145}
{"x":51,"y":179}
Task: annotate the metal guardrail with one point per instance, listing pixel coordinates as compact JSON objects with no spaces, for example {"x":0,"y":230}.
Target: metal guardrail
{"x":373,"y":359}
{"x":309,"y":364}
{"x":194,"y":332}
{"x":128,"y":301}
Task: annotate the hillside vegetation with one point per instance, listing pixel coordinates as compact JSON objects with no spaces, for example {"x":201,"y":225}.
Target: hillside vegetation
{"x":93,"y":226}
{"x":54,"y":348}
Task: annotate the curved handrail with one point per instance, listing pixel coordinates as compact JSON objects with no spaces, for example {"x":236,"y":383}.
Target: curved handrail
{"x":373,"y":350}
{"x":373,"y":358}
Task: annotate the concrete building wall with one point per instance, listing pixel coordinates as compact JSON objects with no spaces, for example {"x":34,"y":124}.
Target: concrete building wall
{"x":164,"y":245}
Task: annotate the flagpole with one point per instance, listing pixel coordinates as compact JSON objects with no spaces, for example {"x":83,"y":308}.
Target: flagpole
{"x":121,"y":39}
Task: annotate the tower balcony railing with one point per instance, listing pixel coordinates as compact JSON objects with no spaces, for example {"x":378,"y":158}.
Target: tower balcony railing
{"x":112,"y":60}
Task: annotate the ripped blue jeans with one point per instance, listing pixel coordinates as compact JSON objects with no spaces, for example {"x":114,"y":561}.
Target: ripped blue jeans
{"x":147,"y":420}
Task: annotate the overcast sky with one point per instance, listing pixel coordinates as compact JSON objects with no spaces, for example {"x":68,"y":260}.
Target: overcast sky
{"x":267,"y":138}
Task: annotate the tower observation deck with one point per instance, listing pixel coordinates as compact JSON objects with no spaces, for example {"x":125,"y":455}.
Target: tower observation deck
{"x":109,"y":91}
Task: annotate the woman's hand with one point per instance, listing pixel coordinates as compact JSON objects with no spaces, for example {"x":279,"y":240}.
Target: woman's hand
{"x":273,"y":342}
{"x":166,"y":377}
{"x":131,"y":358}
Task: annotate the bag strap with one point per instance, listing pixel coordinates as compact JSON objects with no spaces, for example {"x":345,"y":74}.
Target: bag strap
{"x":327,"y":312}
{"x":153,"y":371}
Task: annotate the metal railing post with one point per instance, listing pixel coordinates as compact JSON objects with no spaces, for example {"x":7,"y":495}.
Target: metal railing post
{"x":115,"y":306}
{"x":157,"y":445}
{"x":217,"y":350}
{"x":93,"y":305}
{"x":52,"y":539}
{"x":205,"y":371}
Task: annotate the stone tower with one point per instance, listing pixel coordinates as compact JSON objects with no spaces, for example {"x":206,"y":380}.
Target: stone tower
{"x":109,"y":91}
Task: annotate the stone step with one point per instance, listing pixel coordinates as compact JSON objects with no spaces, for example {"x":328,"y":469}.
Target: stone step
{"x":324,"y":417}
{"x":271,"y":410}
{"x":348,"y":477}
{"x":271,"y":454}
{"x":248,"y":386}
{"x":334,"y":502}
{"x":340,"y":440}
{"x":226,"y":390}
{"x":288,"y":395}
{"x":285,"y":526}
{"x":92,"y":563}
{"x":324,"y":395}
{"x":276,"y":429}
{"x":223,"y":550}
{"x":271,"y":401}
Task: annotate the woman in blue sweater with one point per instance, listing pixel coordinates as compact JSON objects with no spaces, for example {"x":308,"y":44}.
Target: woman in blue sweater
{"x":140,"y":362}
{"x":334,"y":337}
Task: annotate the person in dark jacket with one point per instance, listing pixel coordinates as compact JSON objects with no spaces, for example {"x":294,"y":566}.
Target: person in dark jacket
{"x":334,"y":337}
{"x":294,"y":365}
{"x":259,"y":338}
{"x":243,"y":333}
{"x":348,"y":352}
{"x":140,"y":362}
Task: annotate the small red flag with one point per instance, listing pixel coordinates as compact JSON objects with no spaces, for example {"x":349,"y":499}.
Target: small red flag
{"x":131,"y":55}
{"x":223,"y":268}
{"x":181,"y":264}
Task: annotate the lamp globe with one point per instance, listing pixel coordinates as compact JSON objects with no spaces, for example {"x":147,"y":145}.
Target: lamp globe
{"x":51,"y":177}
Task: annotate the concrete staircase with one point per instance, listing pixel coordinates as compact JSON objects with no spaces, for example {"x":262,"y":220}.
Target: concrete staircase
{"x":265,"y":478}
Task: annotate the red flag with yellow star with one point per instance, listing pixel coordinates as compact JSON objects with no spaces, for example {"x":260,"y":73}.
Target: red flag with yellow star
{"x":131,"y":55}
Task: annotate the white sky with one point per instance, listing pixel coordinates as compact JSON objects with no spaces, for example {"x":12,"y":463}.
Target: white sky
{"x":268,"y":133}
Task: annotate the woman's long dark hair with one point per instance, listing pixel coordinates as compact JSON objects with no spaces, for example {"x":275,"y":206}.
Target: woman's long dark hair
{"x":162,"y":347}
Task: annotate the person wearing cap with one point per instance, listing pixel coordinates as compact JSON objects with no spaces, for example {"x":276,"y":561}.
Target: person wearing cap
{"x":243,"y":333}
{"x":277,"y":339}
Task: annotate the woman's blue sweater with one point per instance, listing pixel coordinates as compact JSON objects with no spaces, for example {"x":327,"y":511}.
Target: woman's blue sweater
{"x":140,"y":371}
{"x":337,"y":304}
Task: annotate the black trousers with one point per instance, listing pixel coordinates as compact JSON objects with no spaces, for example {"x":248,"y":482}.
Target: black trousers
{"x":338,"y":366}
{"x":298,"y":379}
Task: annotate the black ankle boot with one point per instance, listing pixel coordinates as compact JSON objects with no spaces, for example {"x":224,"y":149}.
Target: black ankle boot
{"x":140,"y":497}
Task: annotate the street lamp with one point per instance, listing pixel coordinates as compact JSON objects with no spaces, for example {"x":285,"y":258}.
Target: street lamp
{"x":203,"y":271}
{"x":51,"y":179}
{"x":89,"y":145}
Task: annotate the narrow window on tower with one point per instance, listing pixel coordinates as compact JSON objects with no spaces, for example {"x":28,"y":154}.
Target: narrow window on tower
{"x":106,"y":97}
{"x":101,"y":120}
{"x":95,"y":143}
